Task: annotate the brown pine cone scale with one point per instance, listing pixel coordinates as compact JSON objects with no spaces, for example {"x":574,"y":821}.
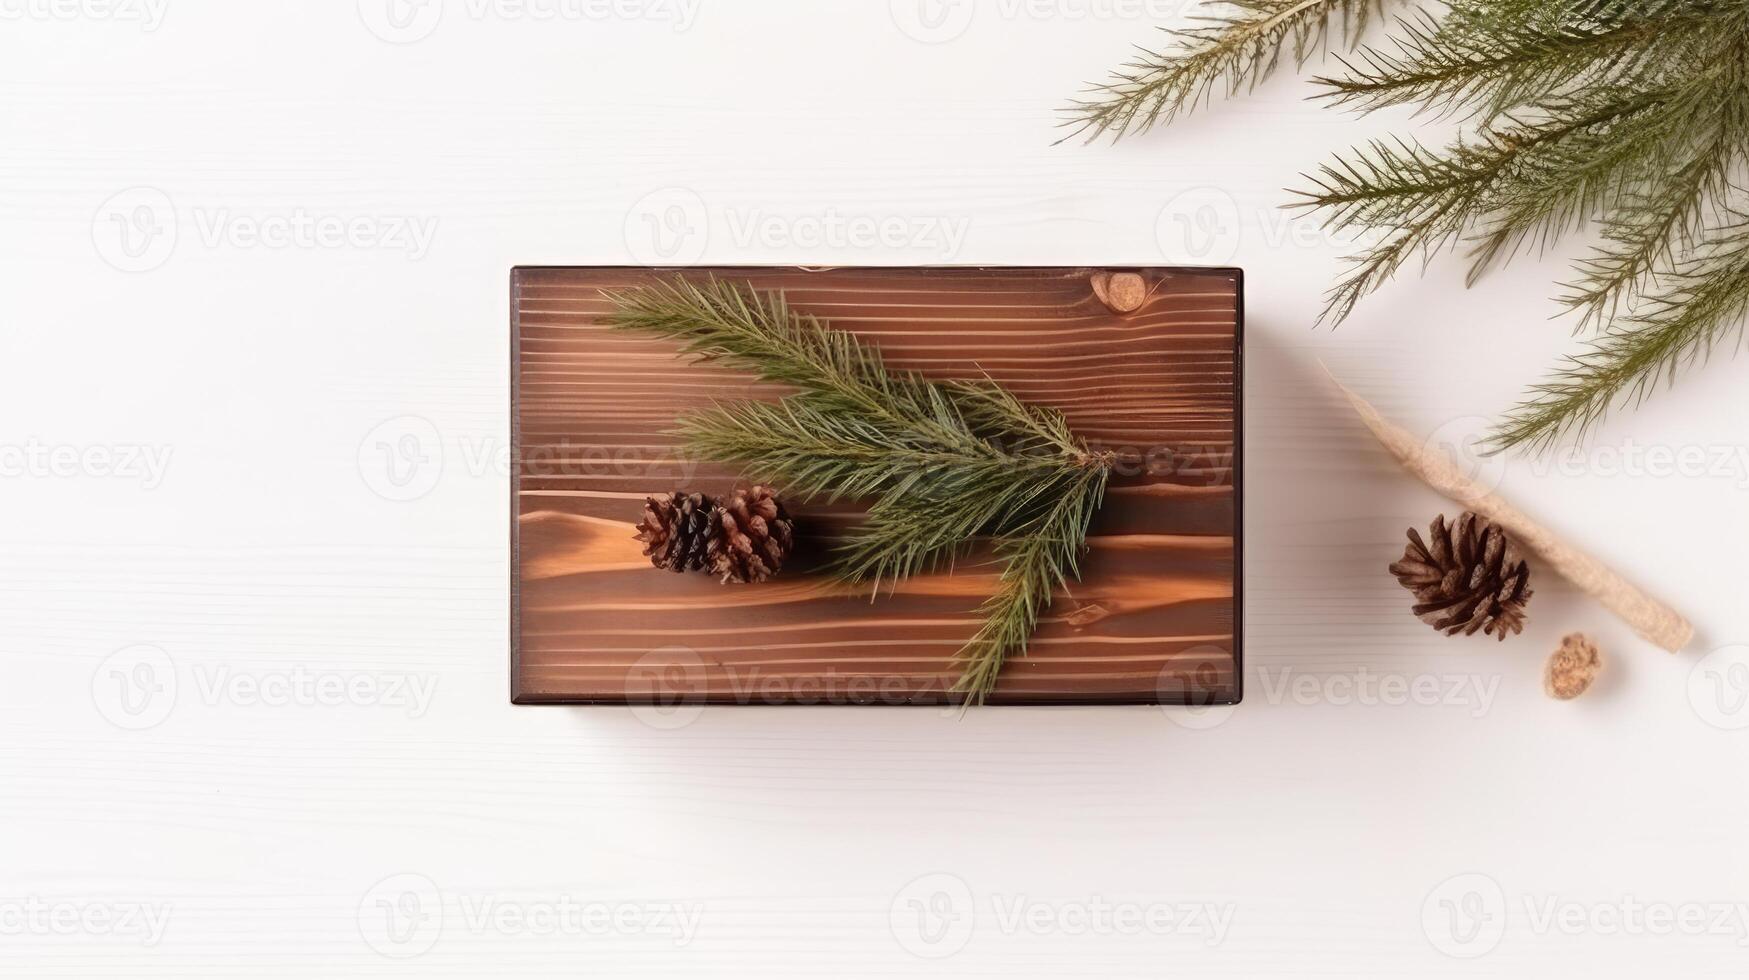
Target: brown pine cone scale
{"x":1466,"y":577}
{"x":676,"y":531}
{"x":751,"y":535}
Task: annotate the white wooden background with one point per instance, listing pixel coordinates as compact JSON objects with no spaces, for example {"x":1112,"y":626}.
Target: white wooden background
{"x":253,"y":410}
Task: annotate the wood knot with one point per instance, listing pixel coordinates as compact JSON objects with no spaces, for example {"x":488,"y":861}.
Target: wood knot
{"x":1121,"y":292}
{"x":1086,"y":614}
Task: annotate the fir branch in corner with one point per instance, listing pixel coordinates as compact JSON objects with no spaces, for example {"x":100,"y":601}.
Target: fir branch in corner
{"x":1630,"y":113}
{"x":1486,"y":57}
{"x":1704,"y":301}
{"x":1233,"y":50}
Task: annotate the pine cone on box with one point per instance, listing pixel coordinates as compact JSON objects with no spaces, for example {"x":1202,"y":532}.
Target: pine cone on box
{"x":1467,"y":577}
{"x":676,"y":531}
{"x":751,"y":534}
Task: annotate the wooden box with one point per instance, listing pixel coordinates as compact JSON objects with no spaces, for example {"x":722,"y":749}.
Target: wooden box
{"x":1155,"y":619}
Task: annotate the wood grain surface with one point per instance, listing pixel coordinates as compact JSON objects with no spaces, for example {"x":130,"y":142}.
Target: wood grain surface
{"x":1155,"y":618}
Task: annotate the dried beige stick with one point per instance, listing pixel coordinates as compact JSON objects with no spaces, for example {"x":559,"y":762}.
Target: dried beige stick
{"x":1650,"y":618}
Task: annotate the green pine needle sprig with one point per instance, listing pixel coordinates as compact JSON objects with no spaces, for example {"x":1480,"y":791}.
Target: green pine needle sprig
{"x":944,"y":464}
{"x":1037,"y":558}
{"x":1232,"y":50}
{"x":1629,"y":115}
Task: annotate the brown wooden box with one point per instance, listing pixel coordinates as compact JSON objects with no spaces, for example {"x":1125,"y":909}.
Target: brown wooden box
{"x":1156,"y":618}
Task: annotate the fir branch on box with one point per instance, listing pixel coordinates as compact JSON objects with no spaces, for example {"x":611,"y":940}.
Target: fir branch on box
{"x":943,"y":463}
{"x":1633,"y":114}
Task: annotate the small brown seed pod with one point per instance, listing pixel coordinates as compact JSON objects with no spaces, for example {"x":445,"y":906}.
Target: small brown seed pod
{"x":1572,"y":668}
